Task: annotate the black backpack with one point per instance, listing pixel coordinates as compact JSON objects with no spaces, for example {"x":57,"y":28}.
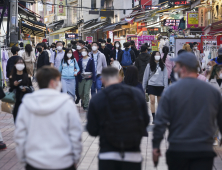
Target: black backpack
{"x":124,"y":125}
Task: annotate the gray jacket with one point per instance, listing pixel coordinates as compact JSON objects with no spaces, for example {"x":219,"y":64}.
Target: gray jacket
{"x":160,"y":78}
{"x":101,"y":62}
{"x":189,"y":109}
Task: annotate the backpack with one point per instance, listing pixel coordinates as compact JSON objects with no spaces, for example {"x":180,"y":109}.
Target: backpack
{"x":126,"y":58}
{"x":124,"y":127}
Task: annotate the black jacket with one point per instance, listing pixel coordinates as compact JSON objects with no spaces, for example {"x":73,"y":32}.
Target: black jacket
{"x":43,"y":60}
{"x":10,"y":65}
{"x":135,"y":51}
{"x":141,"y":63}
{"x":109,"y":46}
{"x":106,"y":52}
{"x":97,"y":115}
{"x":113,"y":54}
{"x":133,"y":57}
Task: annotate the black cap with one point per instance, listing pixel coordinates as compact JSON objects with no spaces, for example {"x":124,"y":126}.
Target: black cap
{"x":187,"y":58}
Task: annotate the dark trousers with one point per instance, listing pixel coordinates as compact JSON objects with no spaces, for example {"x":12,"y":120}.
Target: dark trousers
{"x":77,"y":89}
{"x":29,"y":167}
{"x":118,"y":165}
{"x":185,"y":163}
{"x":15,"y":109}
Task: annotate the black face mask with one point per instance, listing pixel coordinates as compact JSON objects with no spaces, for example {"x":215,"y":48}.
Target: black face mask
{"x":39,"y":49}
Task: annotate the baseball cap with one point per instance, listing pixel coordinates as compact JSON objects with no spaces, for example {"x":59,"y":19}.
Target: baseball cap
{"x":187,"y":58}
{"x":220,"y":51}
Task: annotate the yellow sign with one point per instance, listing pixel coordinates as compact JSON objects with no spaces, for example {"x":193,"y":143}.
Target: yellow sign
{"x":61,"y":9}
{"x":193,"y":18}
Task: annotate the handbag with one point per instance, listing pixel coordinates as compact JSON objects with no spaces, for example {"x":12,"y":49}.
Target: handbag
{"x":9,"y":97}
{"x":7,"y":107}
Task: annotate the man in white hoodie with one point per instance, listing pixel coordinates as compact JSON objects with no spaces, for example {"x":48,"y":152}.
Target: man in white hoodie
{"x":48,"y":128}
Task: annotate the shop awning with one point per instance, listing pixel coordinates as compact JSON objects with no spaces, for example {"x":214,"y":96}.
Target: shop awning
{"x":87,"y":23}
{"x":62,"y":30}
{"x":140,"y":18}
{"x":100,"y":28}
{"x":27,"y":29}
{"x":112,"y":27}
{"x":94,"y":26}
{"x":55,"y":23}
{"x":35,"y":24}
{"x":27,"y":13}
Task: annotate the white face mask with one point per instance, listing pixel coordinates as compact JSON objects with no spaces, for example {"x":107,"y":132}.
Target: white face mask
{"x":84,"y":53}
{"x":117,"y":45}
{"x":94,"y":48}
{"x":220,"y":76}
{"x":176,"y":76}
{"x":103,"y":44}
{"x":157,"y":57}
{"x":195,"y":48}
{"x":20,"y":67}
{"x":59,"y":87}
{"x":69,"y":55}
{"x":59,"y":48}
{"x":78,"y":47}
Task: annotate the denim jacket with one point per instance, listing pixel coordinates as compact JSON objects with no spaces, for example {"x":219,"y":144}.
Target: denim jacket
{"x":67,"y":71}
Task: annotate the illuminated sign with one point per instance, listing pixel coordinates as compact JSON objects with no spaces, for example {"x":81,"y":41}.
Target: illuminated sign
{"x":177,"y":3}
{"x":171,"y":22}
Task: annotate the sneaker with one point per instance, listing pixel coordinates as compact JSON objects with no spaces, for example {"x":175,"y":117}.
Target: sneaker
{"x":215,"y":142}
{"x":2,"y":146}
{"x":77,"y":100}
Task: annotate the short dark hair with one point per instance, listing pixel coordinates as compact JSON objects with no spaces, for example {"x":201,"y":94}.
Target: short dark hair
{"x":87,"y":42}
{"x":21,"y":44}
{"x":131,"y":76}
{"x":195,"y":43}
{"x":45,"y":75}
{"x":100,"y":40}
{"x":59,"y":42}
{"x":85,"y":48}
{"x":63,"y":43}
{"x":14,"y":50}
{"x":39,"y":44}
{"x":181,"y":51}
{"x":109,"y":72}
{"x":95,"y":43}
{"x":132,"y":42}
{"x":108,"y":40}
{"x":44,"y":45}
{"x":126,"y":44}
{"x":144,"y":48}
{"x":81,"y":42}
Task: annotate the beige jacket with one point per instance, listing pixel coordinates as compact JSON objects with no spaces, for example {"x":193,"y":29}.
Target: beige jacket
{"x":27,"y":58}
{"x":214,"y":83}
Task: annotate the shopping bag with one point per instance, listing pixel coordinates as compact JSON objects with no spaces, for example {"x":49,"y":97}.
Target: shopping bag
{"x":9,"y":97}
{"x":7,"y":107}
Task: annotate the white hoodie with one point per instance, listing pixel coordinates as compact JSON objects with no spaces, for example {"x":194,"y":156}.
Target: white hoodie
{"x":48,"y":130}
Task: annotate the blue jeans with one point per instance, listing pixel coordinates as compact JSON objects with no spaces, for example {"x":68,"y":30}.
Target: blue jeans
{"x":96,"y":85}
{"x":69,"y":86}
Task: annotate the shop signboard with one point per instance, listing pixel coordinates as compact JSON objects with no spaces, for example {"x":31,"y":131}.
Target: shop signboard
{"x":148,"y":38}
{"x":61,"y":8}
{"x":6,"y":11}
{"x":71,"y":36}
{"x":208,"y":42}
{"x":140,"y":41}
{"x":192,"y":20}
{"x":154,"y":45}
{"x":89,"y":39}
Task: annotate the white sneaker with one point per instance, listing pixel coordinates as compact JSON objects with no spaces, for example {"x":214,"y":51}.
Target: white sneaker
{"x":215,"y":142}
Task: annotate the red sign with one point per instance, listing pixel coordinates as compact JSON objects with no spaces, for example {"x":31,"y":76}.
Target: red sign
{"x":146,"y":2}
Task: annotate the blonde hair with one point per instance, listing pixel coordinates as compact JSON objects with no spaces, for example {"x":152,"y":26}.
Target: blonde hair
{"x":187,"y":47}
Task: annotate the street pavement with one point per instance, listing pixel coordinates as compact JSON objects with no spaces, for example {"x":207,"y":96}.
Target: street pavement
{"x":89,"y":160}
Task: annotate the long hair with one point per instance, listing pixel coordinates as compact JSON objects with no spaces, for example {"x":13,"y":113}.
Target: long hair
{"x":115,"y":45}
{"x":214,"y":71}
{"x":14,"y":71}
{"x":153,"y":63}
{"x":131,"y":76}
{"x":165,"y":51}
{"x":187,"y":47}
{"x":28,"y":49}
{"x":65,"y":56}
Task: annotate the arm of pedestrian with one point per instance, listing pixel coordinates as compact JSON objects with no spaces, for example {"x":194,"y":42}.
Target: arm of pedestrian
{"x":75,"y":131}
{"x":20,"y":134}
{"x":156,"y":155}
{"x":77,"y":69}
{"x":219,"y":117}
{"x":92,"y":123}
{"x":146,"y":76}
{"x":104,"y":63}
{"x":165,"y":74}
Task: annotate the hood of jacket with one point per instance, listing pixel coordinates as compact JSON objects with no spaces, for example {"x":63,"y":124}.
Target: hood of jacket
{"x":144,"y":57}
{"x":45,"y":101}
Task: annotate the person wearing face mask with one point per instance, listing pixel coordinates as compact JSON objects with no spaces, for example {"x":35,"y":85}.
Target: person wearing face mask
{"x":100,"y":63}
{"x":197,"y":53}
{"x":11,"y":60}
{"x":78,"y":55}
{"x":103,"y":49}
{"x":52,"y":48}
{"x":116,"y":51}
{"x":217,"y":60}
{"x":86,"y":77}
{"x":43,"y":58}
{"x":48,"y":127}
{"x":189,"y":110}
{"x":69,"y":69}
{"x":58,"y":55}
{"x":155,"y":79}
{"x":19,"y":81}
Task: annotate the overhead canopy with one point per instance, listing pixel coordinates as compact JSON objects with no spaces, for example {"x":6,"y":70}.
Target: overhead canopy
{"x":55,"y":23}
{"x":32,"y":30}
{"x":96,"y":25}
{"x":112,"y":27}
{"x":62,"y":30}
{"x":27,"y":13}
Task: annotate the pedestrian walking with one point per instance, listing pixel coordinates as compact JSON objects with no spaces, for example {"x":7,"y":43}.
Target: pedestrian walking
{"x":116,"y":51}
{"x":29,"y":58}
{"x":99,"y":63}
{"x":155,"y":79}
{"x":131,"y":78}
{"x":69,"y":69}
{"x":58,"y":55}
{"x":133,"y":47}
{"x":217,"y":60}
{"x":189,"y":109}
{"x":21,"y":82}
{"x":119,"y":121}
{"x":43,"y":58}
{"x":168,"y":63}
{"x":45,"y":48}
{"x":88,"y":46}
{"x":48,"y":134}
{"x":11,"y":60}
{"x":127,"y":56}
{"x":86,"y":77}
{"x":142,"y":61}
{"x":106,"y":51}
{"x":109,"y":45}
{"x":215,"y":77}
